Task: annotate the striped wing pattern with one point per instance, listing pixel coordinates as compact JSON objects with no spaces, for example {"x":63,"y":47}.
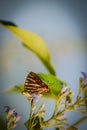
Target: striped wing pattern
{"x":34,"y":85}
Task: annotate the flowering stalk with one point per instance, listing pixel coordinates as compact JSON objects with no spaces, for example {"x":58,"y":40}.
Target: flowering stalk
{"x":63,"y":103}
{"x":12,"y":117}
{"x":34,"y":121}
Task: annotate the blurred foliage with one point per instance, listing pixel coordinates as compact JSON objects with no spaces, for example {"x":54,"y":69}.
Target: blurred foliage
{"x":14,"y":89}
{"x":2,"y":124}
{"x":32,"y":42}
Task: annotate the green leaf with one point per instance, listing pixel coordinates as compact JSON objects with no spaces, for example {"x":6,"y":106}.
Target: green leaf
{"x":2,"y":124}
{"x":32,"y":42}
{"x":53,"y":83}
{"x":14,"y":89}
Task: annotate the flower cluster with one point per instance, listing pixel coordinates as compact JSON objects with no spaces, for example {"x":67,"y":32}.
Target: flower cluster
{"x":83,"y":81}
{"x":12,"y":117}
{"x":34,"y":97}
{"x":64,"y":103}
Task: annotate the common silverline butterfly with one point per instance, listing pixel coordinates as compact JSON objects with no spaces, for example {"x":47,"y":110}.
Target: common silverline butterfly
{"x":34,"y":85}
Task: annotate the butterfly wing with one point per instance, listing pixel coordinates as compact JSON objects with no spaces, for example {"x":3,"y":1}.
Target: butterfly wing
{"x":33,"y":84}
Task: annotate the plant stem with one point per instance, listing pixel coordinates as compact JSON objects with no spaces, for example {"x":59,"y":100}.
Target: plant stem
{"x":77,"y":122}
{"x":31,"y":104}
{"x":47,"y":122}
{"x":30,"y":115}
{"x":56,"y":107}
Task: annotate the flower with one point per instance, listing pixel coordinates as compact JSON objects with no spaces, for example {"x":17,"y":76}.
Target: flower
{"x":9,"y":111}
{"x":84,"y":77}
{"x":17,"y":116}
{"x":83,"y":81}
{"x":64,"y":89}
{"x":12,"y":117}
{"x":33,"y":96}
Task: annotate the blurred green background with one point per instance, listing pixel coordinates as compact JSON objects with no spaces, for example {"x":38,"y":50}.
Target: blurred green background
{"x":62,"y":24}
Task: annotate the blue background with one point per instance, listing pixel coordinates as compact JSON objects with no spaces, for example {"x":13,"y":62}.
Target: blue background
{"x":63,"y":26}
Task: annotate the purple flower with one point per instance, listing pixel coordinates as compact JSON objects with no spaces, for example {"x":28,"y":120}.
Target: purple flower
{"x":35,"y":97}
{"x":12,"y":117}
{"x":84,"y":77}
{"x":64,"y":89}
{"x":9,"y":111}
{"x":17,"y":116}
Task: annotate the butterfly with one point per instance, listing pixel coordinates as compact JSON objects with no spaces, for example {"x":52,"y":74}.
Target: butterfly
{"x":34,"y":85}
